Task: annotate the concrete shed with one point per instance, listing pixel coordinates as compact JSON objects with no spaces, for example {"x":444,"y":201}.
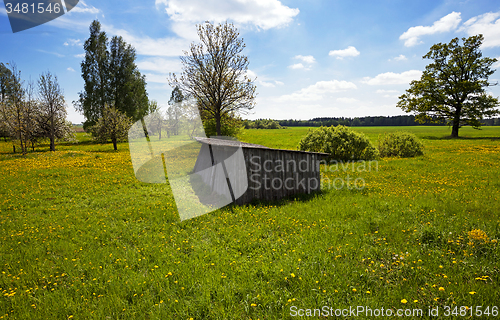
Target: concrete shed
{"x":257,"y":172}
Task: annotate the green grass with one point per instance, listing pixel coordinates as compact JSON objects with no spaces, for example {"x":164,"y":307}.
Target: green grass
{"x":81,"y":238}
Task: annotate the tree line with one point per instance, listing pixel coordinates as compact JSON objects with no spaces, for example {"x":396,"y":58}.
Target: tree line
{"x":31,"y":112}
{"x":371,"y":121}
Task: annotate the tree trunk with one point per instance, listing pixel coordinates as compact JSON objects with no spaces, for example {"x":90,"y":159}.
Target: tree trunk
{"x":454,"y":130}
{"x":52,"y":134}
{"x":456,"y":123}
{"x":14,"y":147}
{"x":24,"y":147}
{"x":159,"y":131}
{"x":114,"y":144}
{"x":218,"y":124}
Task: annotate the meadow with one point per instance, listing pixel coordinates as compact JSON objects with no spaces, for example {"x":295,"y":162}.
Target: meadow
{"x":81,"y":238}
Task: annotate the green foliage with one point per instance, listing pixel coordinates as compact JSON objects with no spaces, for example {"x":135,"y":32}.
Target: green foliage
{"x":175,"y":112}
{"x":400,"y":144}
{"x":5,"y":78}
{"x":113,"y":125}
{"x":127,"y":85}
{"x":231,"y":126}
{"x":342,"y":143}
{"x":262,"y":124}
{"x":452,"y":88}
{"x":111,"y":76}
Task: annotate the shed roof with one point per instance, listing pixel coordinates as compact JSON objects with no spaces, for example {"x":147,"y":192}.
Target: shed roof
{"x":235,"y":143}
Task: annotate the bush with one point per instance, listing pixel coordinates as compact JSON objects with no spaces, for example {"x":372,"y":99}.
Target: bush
{"x":262,"y":124}
{"x":231,"y":126}
{"x":342,"y":143}
{"x":400,"y":144}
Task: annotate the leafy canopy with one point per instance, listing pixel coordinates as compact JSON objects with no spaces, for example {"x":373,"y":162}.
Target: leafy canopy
{"x":452,"y":87}
{"x":341,"y":142}
{"x":214,"y":74}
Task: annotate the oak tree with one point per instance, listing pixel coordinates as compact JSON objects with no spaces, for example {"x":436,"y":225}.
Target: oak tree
{"x":452,"y":88}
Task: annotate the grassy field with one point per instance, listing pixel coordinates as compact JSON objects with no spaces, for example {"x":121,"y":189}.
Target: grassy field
{"x":81,"y":238}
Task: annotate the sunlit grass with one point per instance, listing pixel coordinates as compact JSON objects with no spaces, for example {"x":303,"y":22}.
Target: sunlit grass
{"x":80,"y":237}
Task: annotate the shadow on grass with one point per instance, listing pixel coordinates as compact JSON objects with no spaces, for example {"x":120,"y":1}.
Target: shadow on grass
{"x":300,"y":197}
{"x":278,"y":203}
{"x":459,"y":138}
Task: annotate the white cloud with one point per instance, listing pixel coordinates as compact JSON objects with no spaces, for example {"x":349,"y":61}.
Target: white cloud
{"x":73,"y":42}
{"x":347,"y":100}
{"x":393,"y":78}
{"x":447,"y":23}
{"x":350,"y":51}
{"x":306,"y":59}
{"x":318,"y":91}
{"x":71,"y":69}
{"x":158,"y":78}
{"x":263,"y":80}
{"x":401,"y":57}
{"x":70,"y":23}
{"x":386,"y":91}
{"x":297,"y":66}
{"x":160,"y":65}
{"x":57,"y":54}
{"x":144,"y":45}
{"x":84,"y":8}
{"x":488,"y":25}
{"x":309,"y":60}
{"x":81,"y":55}
{"x":267,"y":84}
{"x":263,"y":14}
{"x":250,"y":74}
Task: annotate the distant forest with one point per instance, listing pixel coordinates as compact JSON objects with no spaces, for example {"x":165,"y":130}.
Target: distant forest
{"x":406,"y":120}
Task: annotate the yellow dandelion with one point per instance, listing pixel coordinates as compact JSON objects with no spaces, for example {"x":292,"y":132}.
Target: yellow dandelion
{"x":404,"y":301}
{"x":441,"y":289}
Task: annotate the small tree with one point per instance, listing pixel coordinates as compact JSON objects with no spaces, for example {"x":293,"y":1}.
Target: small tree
{"x":155,"y":119}
{"x":113,"y":125}
{"x":52,"y":109}
{"x":15,"y":111}
{"x":214,"y":73}
{"x":31,"y":116}
{"x":452,"y":88}
{"x":174,"y":111}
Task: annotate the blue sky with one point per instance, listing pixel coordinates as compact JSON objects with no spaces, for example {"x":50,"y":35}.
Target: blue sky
{"x":312,"y":58}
